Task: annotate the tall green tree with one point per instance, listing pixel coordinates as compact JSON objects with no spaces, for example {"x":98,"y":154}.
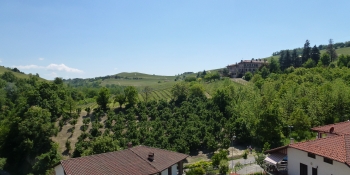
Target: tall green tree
{"x":103,"y":98}
{"x":147,"y":91}
{"x":120,"y":98}
{"x":180,"y":91}
{"x":331,"y":50}
{"x":131,"y":95}
{"x":325,"y":59}
{"x":315,"y":54}
{"x":274,"y":66}
{"x":306,"y":52}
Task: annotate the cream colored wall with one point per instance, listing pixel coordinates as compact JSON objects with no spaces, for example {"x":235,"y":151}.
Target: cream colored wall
{"x":295,"y":157}
{"x":59,"y":170}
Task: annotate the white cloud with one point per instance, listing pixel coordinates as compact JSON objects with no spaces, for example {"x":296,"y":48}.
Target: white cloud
{"x":41,"y":59}
{"x":115,"y":68}
{"x":32,"y":66}
{"x":55,"y":67}
{"x":62,"y":67}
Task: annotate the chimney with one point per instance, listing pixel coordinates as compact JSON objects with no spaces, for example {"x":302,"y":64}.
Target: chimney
{"x":150,"y":156}
{"x":129,"y":145}
{"x":291,"y":140}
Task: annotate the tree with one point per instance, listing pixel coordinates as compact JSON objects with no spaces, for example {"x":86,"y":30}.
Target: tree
{"x":197,"y":90}
{"x":180,"y":91}
{"x":331,"y":50}
{"x":47,"y":160}
{"x":325,"y":59}
{"x":225,"y":72}
{"x":223,"y":168}
{"x":196,"y":171}
{"x":70,"y":105}
{"x":274,"y":66}
{"x":203,"y":74}
{"x":102,"y":144}
{"x":147,"y":90}
{"x":68,"y":147}
{"x":120,"y":98}
{"x":103,"y":98}
{"x":248,"y":76}
{"x":9,"y":77}
{"x":218,"y":157}
{"x":296,"y":59}
{"x":309,"y":63}
{"x":2,"y":163}
{"x":88,"y":110}
{"x":131,"y":95}
{"x":343,"y":61}
{"x":306,"y":52}
{"x":264,"y":72}
{"x":58,"y":81}
{"x":315,"y":54}
{"x":286,"y":60}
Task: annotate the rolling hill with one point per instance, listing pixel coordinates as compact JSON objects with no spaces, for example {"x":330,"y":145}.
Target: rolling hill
{"x":18,"y":75}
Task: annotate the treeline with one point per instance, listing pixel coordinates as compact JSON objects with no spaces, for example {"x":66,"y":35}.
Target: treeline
{"x":28,"y":110}
{"x":320,"y":47}
{"x":310,"y":56}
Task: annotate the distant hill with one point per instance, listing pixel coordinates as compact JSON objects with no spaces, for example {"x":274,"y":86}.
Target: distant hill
{"x":17,"y":74}
{"x":344,"y":50}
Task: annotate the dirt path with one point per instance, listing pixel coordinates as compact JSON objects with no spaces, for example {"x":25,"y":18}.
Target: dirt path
{"x":66,"y":133}
{"x":240,"y":81}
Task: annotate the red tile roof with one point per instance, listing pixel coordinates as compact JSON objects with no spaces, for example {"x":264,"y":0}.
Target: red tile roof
{"x":126,"y":162}
{"x":336,"y":147}
{"x":339,"y":128}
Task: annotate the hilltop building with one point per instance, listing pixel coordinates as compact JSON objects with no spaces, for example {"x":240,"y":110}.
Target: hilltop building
{"x":328,"y":154}
{"x":239,"y":69}
{"x":140,"y":160}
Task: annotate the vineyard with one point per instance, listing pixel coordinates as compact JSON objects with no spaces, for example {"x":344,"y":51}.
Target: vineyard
{"x":162,"y":92}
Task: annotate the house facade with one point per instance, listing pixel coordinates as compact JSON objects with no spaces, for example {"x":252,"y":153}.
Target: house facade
{"x":239,"y":69}
{"x":328,"y":154}
{"x":141,"y":160}
{"x":299,"y":162}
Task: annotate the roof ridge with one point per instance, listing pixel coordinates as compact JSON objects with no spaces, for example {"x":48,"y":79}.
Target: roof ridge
{"x":329,"y":125}
{"x":161,"y":149}
{"x":143,"y":158}
{"x":315,"y":140}
{"x":93,"y":155}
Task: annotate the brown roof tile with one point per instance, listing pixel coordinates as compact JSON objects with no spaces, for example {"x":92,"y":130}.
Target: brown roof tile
{"x":339,"y":128}
{"x":336,"y":147}
{"x":126,"y":162}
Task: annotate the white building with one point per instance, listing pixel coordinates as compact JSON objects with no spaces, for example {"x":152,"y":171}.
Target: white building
{"x":324,"y":156}
{"x":140,"y":160}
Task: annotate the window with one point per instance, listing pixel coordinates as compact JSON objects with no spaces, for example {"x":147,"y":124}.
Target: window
{"x":330,"y":161}
{"x":303,"y":169}
{"x":311,"y":155}
{"x":314,"y":171}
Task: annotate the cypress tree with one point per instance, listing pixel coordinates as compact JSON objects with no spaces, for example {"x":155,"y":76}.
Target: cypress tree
{"x":306,"y":52}
{"x":315,"y":54}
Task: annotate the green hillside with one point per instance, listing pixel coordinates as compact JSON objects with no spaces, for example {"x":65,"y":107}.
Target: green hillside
{"x":18,"y":75}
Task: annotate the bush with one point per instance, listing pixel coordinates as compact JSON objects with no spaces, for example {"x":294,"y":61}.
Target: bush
{"x":196,"y":171}
{"x":248,"y":76}
{"x":68,"y":147}
{"x":223,"y":167}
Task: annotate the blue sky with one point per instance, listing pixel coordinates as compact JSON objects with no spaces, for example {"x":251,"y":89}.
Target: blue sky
{"x":86,"y":39}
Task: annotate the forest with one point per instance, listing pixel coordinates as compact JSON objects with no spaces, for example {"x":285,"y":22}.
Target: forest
{"x":33,"y":111}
